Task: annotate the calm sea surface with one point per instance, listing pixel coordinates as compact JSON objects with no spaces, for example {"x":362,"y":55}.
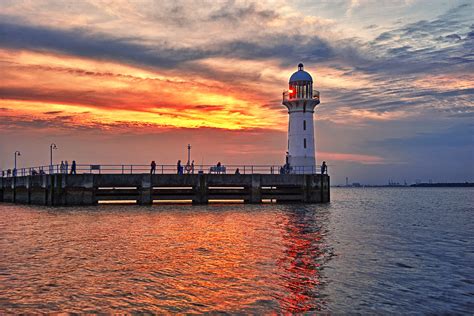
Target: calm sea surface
{"x":370,"y":250}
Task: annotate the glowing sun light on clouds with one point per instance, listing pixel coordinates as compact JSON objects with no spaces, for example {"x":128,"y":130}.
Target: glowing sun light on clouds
{"x":113,"y":93}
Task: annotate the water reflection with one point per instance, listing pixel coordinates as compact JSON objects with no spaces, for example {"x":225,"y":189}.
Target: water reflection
{"x":303,"y":258}
{"x":248,"y":259}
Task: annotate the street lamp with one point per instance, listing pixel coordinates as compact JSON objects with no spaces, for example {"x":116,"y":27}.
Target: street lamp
{"x":17,"y":153}
{"x":51,"y":147}
{"x":189,"y":154}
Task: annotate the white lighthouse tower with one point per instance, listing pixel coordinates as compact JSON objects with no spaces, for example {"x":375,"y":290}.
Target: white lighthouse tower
{"x":301,"y":99}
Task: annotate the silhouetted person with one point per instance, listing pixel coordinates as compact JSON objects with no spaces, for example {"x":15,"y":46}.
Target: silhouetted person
{"x":73,"y":167}
{"x":192,"y":167}
{"x":179,"y":167}
{"x":324,"y":168}
{"x":219,"y":167}
{"x":66,"y":167}
{"x":153,"y":167}
{"x":237,"y":171}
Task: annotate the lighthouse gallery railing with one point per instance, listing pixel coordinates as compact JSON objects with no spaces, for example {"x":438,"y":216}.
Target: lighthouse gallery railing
{"x":287,"y":96}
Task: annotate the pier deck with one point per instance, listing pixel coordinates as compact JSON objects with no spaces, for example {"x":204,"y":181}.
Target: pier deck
{"x":146,"y":189}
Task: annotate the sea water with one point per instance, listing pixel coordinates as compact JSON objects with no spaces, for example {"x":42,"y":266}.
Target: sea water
{"x":377,"y":250}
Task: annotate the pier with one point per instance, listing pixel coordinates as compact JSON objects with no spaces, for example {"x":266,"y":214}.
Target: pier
{"x":62,"y":189}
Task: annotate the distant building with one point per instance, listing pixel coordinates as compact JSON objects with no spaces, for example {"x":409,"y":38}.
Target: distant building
{"x":300,"y":99}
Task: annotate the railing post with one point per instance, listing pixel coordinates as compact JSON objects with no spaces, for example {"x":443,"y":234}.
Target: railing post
{"x":162,"y":169}
{"x":252,"y":169}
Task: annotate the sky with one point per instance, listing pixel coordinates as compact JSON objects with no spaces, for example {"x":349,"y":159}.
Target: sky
{"x":112,"y":82}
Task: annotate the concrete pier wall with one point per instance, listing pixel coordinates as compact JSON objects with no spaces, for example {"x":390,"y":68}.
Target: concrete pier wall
{"x":145,"y":189}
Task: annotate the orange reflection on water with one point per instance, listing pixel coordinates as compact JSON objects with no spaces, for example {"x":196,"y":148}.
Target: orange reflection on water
{"x":302,"y":260}
{"x":164,"y":259}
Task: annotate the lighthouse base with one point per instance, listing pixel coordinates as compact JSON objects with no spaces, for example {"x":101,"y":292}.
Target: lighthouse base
{"x":302,"y":165}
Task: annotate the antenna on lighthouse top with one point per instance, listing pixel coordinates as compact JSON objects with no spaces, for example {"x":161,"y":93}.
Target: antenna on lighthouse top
{"x":300,"y":66}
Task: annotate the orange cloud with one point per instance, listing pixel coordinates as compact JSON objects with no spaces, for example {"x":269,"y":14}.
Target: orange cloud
{"x":113,"y":93}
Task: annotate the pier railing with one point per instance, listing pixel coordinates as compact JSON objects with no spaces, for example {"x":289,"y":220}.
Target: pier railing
{"x":160,"y":169}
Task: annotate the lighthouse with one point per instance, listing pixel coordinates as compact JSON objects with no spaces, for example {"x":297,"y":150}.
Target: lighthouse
{"x":300,"y":99}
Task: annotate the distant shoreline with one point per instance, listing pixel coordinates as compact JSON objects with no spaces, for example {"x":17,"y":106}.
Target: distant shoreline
{"x":418,"y":185}
{"x":443,"y":185}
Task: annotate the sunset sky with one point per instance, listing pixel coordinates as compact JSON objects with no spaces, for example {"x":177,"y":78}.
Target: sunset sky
{"x":131,"y":81}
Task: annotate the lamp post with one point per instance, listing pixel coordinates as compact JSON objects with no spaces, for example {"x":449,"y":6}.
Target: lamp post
{"x":51,"y":147}
{"x":189,"y":154}
{"x":17,"y":153}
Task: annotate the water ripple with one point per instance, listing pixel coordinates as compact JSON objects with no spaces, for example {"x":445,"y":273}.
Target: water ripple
{"x":369,"y":251}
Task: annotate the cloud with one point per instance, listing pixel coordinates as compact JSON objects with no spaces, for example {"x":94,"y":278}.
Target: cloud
{"x":359,"y":158}
{"x":455,"y":136}
{"x":161,"y":54}
{"x":53,"y":112}
{"x":86,"y":44}
{"x":231,"y":14}
{"x":426,"y":46}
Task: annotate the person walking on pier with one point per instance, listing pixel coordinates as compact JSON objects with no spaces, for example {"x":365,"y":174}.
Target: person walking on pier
{"x":237,"y":171}
{"x":179,"y":167}
{"x":324,"y":168}
{"x":153,"y":167}
{"x":73,"y":167}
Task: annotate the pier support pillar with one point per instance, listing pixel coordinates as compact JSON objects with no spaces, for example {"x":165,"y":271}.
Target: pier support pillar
{"x":50,"y":190}
{"x":325,"y":189}
{"x":78,"y":190}
{"x":307,"y":188}
{"x":145,"y":196}
{"x":14,"y":190}
{"x":28,"y":190}
{"x":255,"y":189}
{"x":56,"y":190}
{"x":201,"y":191}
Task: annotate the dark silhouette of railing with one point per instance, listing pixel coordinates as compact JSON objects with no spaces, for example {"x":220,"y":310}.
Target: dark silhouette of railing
{"x":160,"y":169}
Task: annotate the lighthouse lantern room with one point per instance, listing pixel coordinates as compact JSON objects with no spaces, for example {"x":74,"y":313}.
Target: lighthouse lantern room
{"x":300,"y":99}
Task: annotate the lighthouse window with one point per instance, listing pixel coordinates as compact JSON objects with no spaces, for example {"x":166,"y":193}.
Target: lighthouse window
{"x":304,"y":125}
{"x":305,"y":143}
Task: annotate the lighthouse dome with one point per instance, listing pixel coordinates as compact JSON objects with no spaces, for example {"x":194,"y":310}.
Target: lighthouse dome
{"x":301,"y":75}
